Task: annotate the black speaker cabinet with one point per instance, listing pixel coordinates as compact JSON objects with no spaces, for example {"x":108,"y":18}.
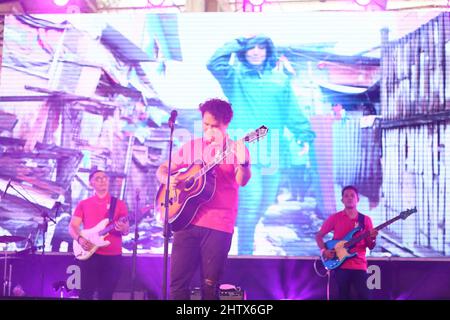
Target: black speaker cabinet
{"x":224,"y":294}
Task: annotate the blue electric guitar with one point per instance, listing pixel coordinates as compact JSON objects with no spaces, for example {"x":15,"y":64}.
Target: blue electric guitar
{"x":342,"y":246}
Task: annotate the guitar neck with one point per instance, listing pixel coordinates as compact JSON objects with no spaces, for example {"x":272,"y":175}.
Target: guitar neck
{"x":366,"y":233}
{"x":250,"y":137}
{"x":384,"y":225}
{"x":111,"y":227}
{"x":228,"y":150}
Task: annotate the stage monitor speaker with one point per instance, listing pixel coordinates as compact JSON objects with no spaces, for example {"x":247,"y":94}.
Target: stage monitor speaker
{"x":126,"y":295}
{"x":224,"y":294}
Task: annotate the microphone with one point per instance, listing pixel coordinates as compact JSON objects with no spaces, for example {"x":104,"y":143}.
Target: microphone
{"x":173,"y":116}
{"x":57,"y":206}
{"x":6,"y":189}
{"x":137,"y":195}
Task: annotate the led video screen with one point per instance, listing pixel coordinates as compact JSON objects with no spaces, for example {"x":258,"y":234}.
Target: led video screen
{"x":97,"y":90}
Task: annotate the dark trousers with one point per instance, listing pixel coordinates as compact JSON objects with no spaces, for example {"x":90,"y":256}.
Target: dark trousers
{"x":100,"y":273}
{"x":346,"y":279}
{"x":195,"y":247}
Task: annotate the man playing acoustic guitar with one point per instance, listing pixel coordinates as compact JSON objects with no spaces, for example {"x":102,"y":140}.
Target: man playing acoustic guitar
{"x":206,"y":240}
{"x":352,"y":271}
{"x":101,"y":271}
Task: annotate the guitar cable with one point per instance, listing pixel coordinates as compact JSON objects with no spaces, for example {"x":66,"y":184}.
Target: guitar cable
{"x":326,"y":274}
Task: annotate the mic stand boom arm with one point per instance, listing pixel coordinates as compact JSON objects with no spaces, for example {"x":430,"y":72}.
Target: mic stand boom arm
{"x":44,"y":215}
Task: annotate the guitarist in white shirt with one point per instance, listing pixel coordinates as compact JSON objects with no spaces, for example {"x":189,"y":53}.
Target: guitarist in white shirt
{"x":206,"y":240}
{"x":353,"y":271}
{"x":100,"y":271}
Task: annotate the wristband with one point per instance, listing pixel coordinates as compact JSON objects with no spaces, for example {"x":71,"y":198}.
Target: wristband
{"x":78,"y":239}
{"x":245,"y":164}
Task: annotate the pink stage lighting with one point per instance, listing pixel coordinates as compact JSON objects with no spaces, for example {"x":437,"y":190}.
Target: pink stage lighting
{"x":252,"y":5}
{"x":155,"y":3}
{"x":61,"y":3}
{"x":363,"y":2}
{"x":372,"y":4}
{"x":256,"y":2}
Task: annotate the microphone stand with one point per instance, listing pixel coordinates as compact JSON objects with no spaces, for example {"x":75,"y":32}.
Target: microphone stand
{"x":43,"y":227}
{"x":136,"y":237}
{"x":166,"y":232}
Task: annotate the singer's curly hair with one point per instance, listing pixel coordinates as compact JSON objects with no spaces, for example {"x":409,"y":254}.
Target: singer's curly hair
{"x":220,"y":109}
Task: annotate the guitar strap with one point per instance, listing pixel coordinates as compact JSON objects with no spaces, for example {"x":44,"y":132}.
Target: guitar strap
{"x":112,"y":208}
{"x":361,"y":219}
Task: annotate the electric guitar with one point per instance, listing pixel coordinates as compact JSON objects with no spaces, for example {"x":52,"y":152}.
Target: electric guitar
{"x":342,"y":246}
{"x":197,"y":186}
{"x":96,"y":236}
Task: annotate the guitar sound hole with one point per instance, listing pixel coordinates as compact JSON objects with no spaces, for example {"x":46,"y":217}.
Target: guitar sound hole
{"x":189,"y":183}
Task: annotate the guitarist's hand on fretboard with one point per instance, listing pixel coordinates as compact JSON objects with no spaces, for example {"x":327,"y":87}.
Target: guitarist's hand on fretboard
{"x":122,"y":226}
{"x":239,"y":151}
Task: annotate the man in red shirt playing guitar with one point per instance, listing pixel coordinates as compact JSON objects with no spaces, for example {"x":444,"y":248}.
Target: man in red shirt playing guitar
{"x":204,"y":239}
{"x":352,"y":263}
{"x":99,"y":244}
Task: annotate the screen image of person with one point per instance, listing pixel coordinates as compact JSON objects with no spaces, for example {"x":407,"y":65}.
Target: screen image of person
{"x":260,"y":95}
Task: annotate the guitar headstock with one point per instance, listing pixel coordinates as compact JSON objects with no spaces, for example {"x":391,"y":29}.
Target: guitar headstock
{"x":256,"y":135}
{"x":405,"y":214}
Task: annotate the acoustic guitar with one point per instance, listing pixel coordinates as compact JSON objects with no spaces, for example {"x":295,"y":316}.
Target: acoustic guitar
{"x":197,"y":186}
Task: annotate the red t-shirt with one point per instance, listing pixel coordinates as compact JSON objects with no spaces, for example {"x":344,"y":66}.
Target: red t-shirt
{"x":94,"y":209}
{"x":341,"y":224}
{"x":220,"y":211}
